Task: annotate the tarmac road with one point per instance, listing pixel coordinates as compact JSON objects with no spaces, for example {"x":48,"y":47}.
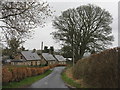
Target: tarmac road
{"x":53,"y":80}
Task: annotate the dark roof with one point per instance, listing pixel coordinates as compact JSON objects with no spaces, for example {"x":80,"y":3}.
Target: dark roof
{"x":60,"y":58}
{"x":30,"y":56}
{"x":48,"y":56}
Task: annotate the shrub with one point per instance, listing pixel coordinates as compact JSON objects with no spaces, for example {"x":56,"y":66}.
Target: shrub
{"x":34,"y":71}
{"x":24,"y":70}
{"x":6,"y":75}
{"x":99,"y":70}
{"x":28,"y":72}
{"x":14,"y":74}
{"x":40,"y":70}
{"x":46,"y":68}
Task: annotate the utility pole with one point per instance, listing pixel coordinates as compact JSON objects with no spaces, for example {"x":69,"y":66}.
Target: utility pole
{"x":73,"y":49}
{"x":41,"y":47}
{"x":73,"y":56}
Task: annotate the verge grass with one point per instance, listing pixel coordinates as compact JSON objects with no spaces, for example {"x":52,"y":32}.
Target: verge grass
{"x":70,"y":81}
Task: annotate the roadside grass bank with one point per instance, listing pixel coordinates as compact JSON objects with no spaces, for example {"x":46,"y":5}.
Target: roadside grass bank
{"x":68,"y":78}
{"x":27,"y":81}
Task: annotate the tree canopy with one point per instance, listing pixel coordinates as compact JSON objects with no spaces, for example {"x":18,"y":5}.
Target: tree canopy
{"x":46,"y":50}
{"x":18,"y":19}
{"x":51,"y":50}
{"x":66,"y":51}
{"x":13,"y":49}
{"x":85,"y":29}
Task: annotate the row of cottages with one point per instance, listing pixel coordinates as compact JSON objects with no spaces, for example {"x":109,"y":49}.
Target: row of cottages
{"x":32,"y":58}
{"x":26,"y":58}
{"x":53,"y":59}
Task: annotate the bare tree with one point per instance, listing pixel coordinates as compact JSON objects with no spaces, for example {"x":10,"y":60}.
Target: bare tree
{"x":84,"y":29}
{"x":18,"y":19}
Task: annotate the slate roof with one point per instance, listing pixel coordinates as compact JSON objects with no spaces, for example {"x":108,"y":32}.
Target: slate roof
{"x":48,"y":56}
{"x":30,"y":56}
{"x":60,"y":58}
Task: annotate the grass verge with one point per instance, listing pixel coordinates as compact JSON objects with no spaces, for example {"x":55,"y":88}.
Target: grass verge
{"x":27,"y":81}
{"x":69,"y":81}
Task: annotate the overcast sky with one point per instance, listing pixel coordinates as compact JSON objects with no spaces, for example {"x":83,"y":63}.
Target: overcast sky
{"x":43,"y":34}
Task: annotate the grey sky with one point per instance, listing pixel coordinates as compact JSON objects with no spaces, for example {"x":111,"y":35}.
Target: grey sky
{"x":43,"y":34}
{"x":119,"y":23}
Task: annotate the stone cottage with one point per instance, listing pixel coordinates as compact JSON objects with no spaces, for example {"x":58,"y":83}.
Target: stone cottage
{"x":31,"y":58}
{"x":60,"y":59}
{"x":49,"y":58}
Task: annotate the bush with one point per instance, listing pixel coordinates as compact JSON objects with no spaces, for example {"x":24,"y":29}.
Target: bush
{"x":6,"y":75}
{"x":40,"y":70}
{"x":24,"y":70}
{"x":28,"y":72}
{"x":14,"y":75}
{"x":99,"y":70}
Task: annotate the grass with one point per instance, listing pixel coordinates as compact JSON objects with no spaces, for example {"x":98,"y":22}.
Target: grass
{"x":69,"y":81}
{"x":27,"y":81}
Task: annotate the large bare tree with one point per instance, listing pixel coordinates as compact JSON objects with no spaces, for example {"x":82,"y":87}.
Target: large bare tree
{"x":18,"y":19}
{"x":84,"y":29}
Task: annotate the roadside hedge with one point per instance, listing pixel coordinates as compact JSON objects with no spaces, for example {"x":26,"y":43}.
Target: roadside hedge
{"x":99,"y":70}
{"x":19,"y":73}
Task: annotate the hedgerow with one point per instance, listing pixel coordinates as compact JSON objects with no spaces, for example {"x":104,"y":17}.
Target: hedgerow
{"x":99,"y":70}
{"x":19,"y":73}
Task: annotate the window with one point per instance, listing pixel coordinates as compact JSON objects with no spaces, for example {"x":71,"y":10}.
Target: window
{"x":21,"y":57}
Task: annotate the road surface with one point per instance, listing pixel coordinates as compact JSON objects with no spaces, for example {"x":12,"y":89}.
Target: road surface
{"x":53,"y":80}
